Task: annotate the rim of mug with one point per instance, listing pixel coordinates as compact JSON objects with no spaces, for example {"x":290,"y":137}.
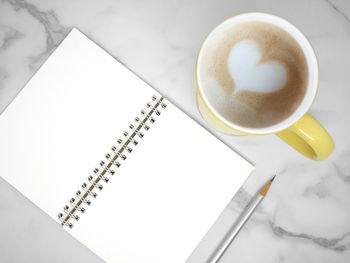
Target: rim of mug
{"x":310,"y":56}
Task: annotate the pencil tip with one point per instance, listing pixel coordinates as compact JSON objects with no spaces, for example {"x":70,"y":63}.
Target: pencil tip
{"x":263,"y":191}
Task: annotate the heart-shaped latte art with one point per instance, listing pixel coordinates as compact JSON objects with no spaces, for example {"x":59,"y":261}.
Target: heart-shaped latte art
{"x":250,"y":75}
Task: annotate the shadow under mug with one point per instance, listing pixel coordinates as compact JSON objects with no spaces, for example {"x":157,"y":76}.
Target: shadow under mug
{"x":300,"y":130}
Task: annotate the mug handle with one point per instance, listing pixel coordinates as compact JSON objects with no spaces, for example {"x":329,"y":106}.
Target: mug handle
{"x":308,"y":137}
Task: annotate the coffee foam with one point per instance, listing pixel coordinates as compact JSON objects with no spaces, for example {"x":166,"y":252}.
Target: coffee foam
{"x":280,"y":74}
{"x":248,"y":74}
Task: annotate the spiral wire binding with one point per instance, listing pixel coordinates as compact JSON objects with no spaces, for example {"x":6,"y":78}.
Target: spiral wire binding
{"x":111,"y":162}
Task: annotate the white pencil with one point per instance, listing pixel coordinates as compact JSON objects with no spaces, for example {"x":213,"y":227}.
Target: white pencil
{"x":248,"y":211}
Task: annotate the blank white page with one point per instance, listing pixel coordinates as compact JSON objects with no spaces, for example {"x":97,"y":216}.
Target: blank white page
{"x":65,"y":119}
{"x":166,"y":194}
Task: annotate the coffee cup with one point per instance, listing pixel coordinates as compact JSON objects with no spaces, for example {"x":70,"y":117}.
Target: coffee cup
{"x":257,"y":74}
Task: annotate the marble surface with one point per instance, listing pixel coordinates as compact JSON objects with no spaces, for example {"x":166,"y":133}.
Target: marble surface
{"x":305,"y":217}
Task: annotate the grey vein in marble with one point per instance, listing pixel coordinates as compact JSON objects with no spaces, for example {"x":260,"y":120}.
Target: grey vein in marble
{"x":329,"y":243}
{"x":242,"y":198}
{"x":336,"y":9}
{"x":3,"y":77}
{"x":344,"y":175}
{"x":318,"y":190}
{"x":8,"y":35}
{"x":55,"y":32}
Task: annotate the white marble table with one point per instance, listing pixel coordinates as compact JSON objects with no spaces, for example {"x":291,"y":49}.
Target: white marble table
{"x":306,"y":216}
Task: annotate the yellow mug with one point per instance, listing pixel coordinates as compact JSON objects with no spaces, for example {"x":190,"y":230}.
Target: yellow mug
{"x":300,"y":130}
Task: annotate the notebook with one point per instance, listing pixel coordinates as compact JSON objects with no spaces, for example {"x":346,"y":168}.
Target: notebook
{"x":112,"y":161}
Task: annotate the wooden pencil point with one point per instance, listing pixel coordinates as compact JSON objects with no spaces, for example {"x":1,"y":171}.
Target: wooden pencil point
{"x":263,"y":191}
